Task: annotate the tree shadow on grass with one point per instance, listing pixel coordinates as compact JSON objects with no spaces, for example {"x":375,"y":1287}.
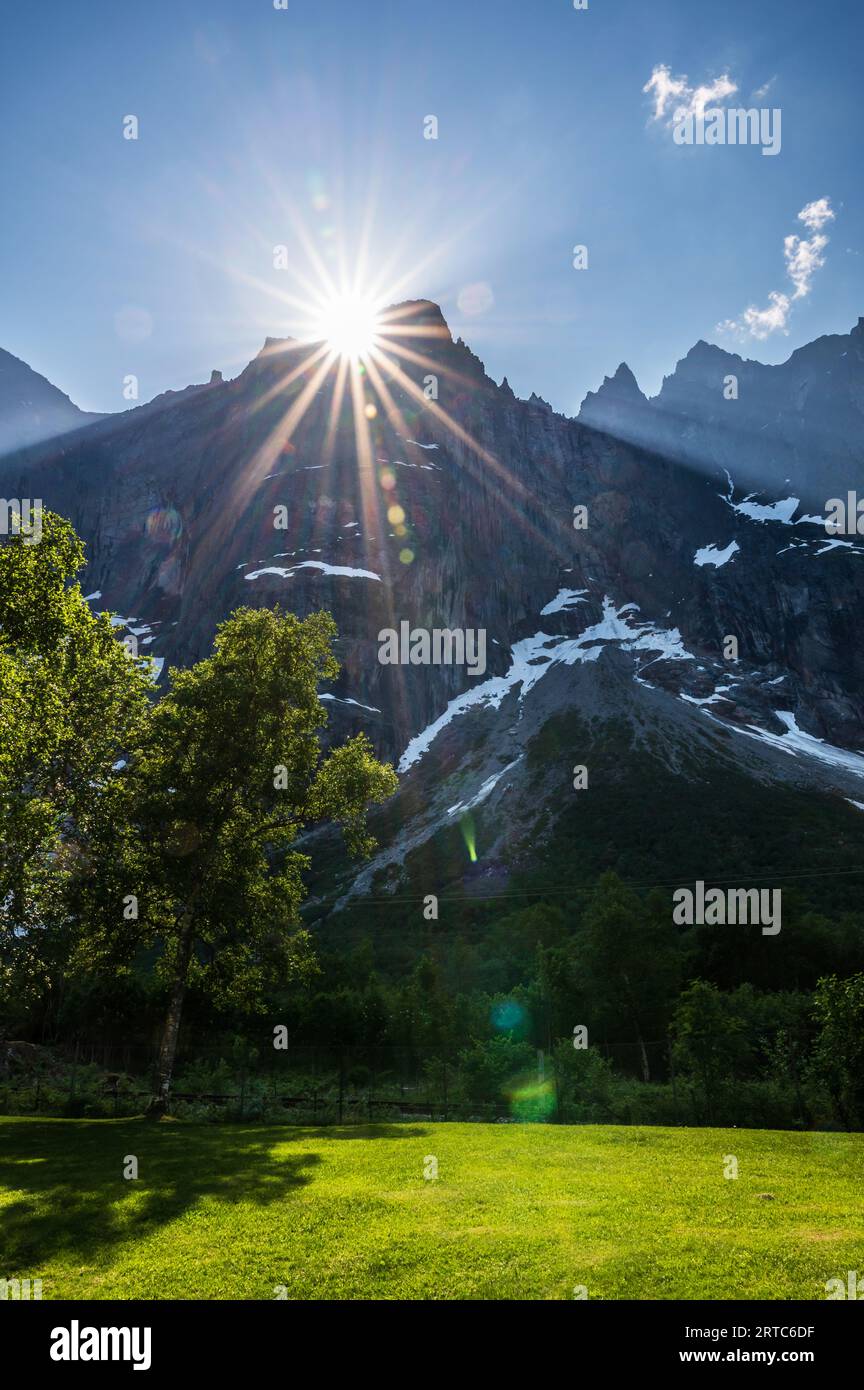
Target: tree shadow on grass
{"x":69,"y":1195}
{"x":69,"y":1192}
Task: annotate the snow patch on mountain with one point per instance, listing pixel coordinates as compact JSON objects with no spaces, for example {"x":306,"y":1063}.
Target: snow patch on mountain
{"x":532,"y":657}
{"x":564,"y":599}
{"x":833,"y":545}
{"x":782,"y":511}
{"x":487,"y":787}
{"x":710,"y":555}
{"x":314,"y":565}
{"x":795,"y":742}
{"x":713,"y":699}
{"x":344,"y":700}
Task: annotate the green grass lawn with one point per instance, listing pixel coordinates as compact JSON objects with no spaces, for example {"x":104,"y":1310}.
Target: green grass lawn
{"x":341,"y":1213}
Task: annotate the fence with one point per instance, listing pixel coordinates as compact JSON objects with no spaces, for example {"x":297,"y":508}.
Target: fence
{"x":301,"y":1084}
{"x":318,"y":1085}
{"x":323,"y":1108}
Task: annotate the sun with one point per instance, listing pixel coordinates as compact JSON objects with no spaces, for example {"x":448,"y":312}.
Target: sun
{"x":349,"y":325}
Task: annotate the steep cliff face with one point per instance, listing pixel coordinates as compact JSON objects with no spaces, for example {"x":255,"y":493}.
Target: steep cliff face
{"x":458,"y":513}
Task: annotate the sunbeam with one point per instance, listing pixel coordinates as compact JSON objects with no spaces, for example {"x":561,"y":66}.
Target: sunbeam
{"x":349,"y":325}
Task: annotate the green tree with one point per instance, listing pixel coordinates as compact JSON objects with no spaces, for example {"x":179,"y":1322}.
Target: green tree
{"x":629,"y":952}
{"x":838,"y":1008}
{"x":492,"y":1067}
{"x":585,"y":1082}
{"x":71,"y":700}
{"x":709,"y":1040}
{"x":223,"y":783}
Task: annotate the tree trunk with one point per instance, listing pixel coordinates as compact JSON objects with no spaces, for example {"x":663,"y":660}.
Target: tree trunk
{"x":168,"y":1047}
{"x":646,"y":1070}
{"x":643,"y":1054}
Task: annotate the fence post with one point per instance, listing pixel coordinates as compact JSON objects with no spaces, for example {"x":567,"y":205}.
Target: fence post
{"x":74,"y":1070}
{"x":559,"y":1119}
{"x":445,"y":1090}
{"x":341,"y":1084}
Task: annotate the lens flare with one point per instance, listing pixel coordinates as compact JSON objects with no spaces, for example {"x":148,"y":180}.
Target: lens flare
{"x":508,"y":1016}
{"x":349,"y":325}
{"x":532,"y":1101}
{"x":469,"y":836}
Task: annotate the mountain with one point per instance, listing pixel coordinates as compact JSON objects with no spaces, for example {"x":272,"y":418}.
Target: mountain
{"x":31,"y":409}
{"x":790,"y":429}
{"x":607,"y":645}
{"x":618,"y":407}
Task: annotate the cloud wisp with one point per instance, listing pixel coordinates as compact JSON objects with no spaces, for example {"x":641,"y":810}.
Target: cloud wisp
{"x":702,"y":115}
{"x":674,"y":98}
{"x":803,"y":255}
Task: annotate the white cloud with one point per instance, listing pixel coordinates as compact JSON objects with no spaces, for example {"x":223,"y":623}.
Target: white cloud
{"x":664,"y":87}
{"x":803,"y":257}
{"x":761,"y":323}
{"x":675,"y":99}
{"x":761,"y":92}
{"x":816,"y":214}
{"x":714,"y":92}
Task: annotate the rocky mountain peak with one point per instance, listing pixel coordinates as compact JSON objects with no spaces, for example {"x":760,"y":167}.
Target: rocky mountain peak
{"x":617,"y":404}
{"x":31,"y":408}
{"x":424,"y":312}
{"x":703,"y":359}
{"x":625,"y":379}
{"x":272,"y":346}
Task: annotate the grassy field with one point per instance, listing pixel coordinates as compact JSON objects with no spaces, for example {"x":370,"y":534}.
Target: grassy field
{"x":516,"y":1211}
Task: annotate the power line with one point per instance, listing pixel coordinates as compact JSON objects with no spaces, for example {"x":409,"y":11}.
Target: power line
{"x":710,"y":881}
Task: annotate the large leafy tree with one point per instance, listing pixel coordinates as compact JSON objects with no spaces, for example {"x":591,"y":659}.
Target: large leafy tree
{"x":710,"y":1042}
{"x":628,"y":951}
{"x":226,"y":776}
{"x":71,"y":700}
{"x":839,"y":1053}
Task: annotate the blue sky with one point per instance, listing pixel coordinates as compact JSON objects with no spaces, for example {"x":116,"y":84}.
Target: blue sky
{"x":253,"y":121}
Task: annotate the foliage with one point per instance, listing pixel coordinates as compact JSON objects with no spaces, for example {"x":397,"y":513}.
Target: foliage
{"x":839,"y":1052}
{"x":71,"y":702}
